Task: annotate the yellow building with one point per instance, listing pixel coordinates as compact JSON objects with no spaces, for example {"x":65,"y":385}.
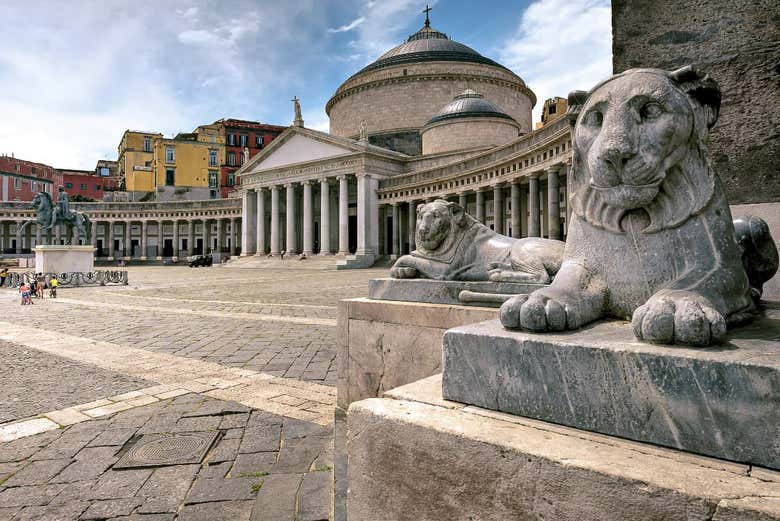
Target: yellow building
{"x":553,"y":109}
{"x":135,"y":156}
{"x":187,"y":166}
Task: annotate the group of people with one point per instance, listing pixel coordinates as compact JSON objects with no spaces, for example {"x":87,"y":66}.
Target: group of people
{"x":36,"y":286}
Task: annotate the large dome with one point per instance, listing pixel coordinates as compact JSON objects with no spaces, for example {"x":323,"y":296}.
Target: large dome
{"x":428,"y":44}
{"x":396,"y":95}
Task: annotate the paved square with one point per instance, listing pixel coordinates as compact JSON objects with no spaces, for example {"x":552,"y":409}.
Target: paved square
{"x":248,"y":354}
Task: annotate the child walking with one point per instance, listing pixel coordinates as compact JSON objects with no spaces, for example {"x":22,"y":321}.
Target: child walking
{"x":53,"y":287}
{"x":24,"y":289}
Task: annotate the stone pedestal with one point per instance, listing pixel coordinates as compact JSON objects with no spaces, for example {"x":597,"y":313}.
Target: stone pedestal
{"x":722,"y":401}
{"x":382,"y":345}
{"x":64,"y":259}
{"x":447,"y":291}
{"x":414,"y":456}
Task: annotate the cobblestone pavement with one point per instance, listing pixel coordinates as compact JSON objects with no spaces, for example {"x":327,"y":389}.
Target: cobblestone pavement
{"x":248,"y":354}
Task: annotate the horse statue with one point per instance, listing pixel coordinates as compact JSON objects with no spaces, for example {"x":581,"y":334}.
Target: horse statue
{"x":49,"y":216}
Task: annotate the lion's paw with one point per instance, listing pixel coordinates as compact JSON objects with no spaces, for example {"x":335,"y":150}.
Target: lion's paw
{"x":403,"y":272}
{"x":679,"y":317}
{"x":538,"y":312}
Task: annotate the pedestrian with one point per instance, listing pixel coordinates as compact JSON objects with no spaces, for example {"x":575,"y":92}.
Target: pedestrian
{"x":281,"y":254}
{"x":53,"y":287}
{"x":40,"y":284}
{"x":24,"y":289}
{"x":3,"y":276}
{"x":33,"y":288}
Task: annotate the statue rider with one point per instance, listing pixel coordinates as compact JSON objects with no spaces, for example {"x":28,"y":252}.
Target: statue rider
{"x":62,"y":210}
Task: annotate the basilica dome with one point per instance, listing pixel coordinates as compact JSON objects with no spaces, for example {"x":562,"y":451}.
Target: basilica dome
{"x":397,"y":94}
{"x":469,"y":120}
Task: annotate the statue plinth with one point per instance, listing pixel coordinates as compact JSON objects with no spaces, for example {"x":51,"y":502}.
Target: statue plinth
{"x":64,"y":259}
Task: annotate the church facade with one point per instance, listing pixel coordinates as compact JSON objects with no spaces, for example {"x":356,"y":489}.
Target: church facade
{"x":431,"y":118}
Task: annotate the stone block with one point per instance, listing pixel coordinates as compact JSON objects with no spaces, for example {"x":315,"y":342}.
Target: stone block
{"x":64,"y":259}
{"x":722,"y":401}
{"x":410,"y":459}
{"x":443,"y":291}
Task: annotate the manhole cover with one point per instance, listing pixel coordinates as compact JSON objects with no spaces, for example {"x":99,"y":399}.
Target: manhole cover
{"x":158,"y":450}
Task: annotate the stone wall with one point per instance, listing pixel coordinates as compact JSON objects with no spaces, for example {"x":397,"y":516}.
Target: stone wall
{"x":737,"y":43}
{"x":458,"y":134}
{"x":406,"y":142}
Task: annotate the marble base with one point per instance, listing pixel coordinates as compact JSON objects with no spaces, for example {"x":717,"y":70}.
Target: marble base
{"x":64,"y":259}
{"x":722,"y":401}
{"x":486,"y":294}
{"x":414,"y":456}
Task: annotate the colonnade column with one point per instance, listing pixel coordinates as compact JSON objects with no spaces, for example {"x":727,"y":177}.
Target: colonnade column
{"x":463,"y":200}
{"x":38,"y":234}
{"x":291,"y":243}
{"x":480,"y":205}
{"x":233,"y":236}
{"x":221,"y":235}
{"x":111,"y":249}
{"x":412,"y":225}
{"x":175,"y":238}
{"x":308,"y":220}
{"x":498,"y":209}
{"x":127,"y":246}
{"x":191,"y":237}
{"x":260,"y":246}
{"x":324,"y":217}
{"x":553,"y":205}
{"x":275,"y":250}
{"x":160,"y":238}
{"x":206,"y":236}
{"x":92,"y":233}
{"x":343,"y":215}
{"x":19,"y":245}
{"x":367,"y":214}
{"x":533,"y":207}
{"x":144,"y":239}
{"x":395,"y":246}
{"x":514,"y":203}
{"x":248,"y":209}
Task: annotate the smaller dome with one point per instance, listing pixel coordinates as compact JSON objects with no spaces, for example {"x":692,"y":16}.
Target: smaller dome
{"x":468,"y":104}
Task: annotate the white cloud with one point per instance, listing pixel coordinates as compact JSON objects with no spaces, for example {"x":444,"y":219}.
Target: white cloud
{"x":560,"y":46}
{"x":344,"y":28}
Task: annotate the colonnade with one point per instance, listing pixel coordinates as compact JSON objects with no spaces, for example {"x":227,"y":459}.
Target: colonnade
{"x":527,"y":216}
{"x":132,"y":238}
{"x":327,"y":233}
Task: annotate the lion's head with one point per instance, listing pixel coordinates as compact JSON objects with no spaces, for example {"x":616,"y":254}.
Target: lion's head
{"x":639,"y":142}
{"x":438,"y":224}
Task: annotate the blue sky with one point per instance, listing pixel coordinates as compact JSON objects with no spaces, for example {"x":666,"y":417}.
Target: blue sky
{"x":74,"y":75}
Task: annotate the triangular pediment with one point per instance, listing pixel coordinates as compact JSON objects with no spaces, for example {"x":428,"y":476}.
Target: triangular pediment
{"x":299,"y":148}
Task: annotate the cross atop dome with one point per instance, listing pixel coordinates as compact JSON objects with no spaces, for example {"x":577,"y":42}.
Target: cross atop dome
{"x":427,"y":18}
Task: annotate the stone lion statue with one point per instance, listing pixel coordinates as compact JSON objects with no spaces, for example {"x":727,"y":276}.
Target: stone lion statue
{"x":651,"y":237}
{"x":452,"y":245}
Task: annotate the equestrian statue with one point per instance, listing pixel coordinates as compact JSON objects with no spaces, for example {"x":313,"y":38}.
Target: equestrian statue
{"x":50,"y":215}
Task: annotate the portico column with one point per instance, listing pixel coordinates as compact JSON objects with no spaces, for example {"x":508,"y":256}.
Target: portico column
{"x":324,"y":217}
{"x":515,"y":209}
{"x":291,"y":243}
{"x":368,"y":215}
{"x":462,"y":200}
{"x":160,"y":239}
{"x":260,"y":242}
{"x":498,"y":209}
{"x":206,"y":236}
{"x":191,"y":237}
{"x":175,"y":238}
{"x":144,"y":239}
{"x":275,"y":250}
{"x":19,"y":245}
{"x":412,"y":225}
{"x":111,"y":249}
{"x":480,"y":205}
{"x":533,"y":207}
{"x":248,"y":232}
{"x":92,"y":233}
{"x":394,"y":251}
{"x":220,"y":234}
{"x":343,"y":215}
{"x":308,"y":220}
{"x":128,"y":248}
{"x":553,"y":205}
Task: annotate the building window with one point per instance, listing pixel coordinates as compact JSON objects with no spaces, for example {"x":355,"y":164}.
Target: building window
{"x":170,"y":154}
{"x":32,"y":170}
{"x":98,"y":187}
{"x":213,"y":179}
{"x":212,"y":157}
{"x":147,"y":144}
{"x":231,"y":138}
{"x":213,"y":194}
{"x":82,"y":186}
{"x":243,"y":139}
{"x":231,"y":158}
{"x":68,"y":185}
{"x":259,"y":141}
{"x":231,"y":179}
{"x":170,"y":177}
